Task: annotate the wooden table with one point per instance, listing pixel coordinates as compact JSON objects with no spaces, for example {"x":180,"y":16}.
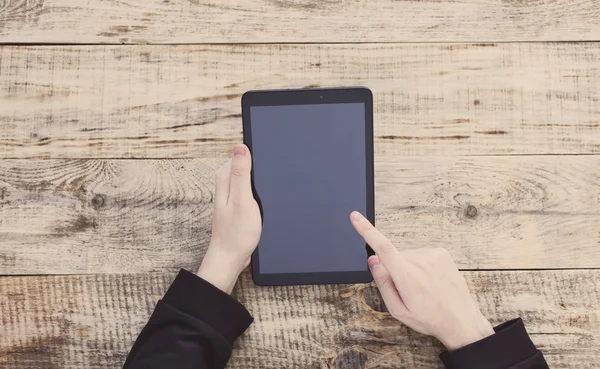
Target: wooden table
{"x":115,"y":114}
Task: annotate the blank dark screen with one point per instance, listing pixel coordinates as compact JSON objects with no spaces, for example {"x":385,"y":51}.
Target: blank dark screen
{"x":310,"y":173}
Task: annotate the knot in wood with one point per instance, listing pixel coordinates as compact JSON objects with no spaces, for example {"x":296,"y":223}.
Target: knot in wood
{"x":97,"y":201}
{"x":471,"y":212}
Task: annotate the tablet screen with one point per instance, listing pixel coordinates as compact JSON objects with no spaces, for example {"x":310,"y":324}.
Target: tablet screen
{"x":310,"y":173}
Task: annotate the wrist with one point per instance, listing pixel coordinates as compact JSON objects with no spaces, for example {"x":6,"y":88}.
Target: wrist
{"x":467,"y":334}
{"x":222,"y":271}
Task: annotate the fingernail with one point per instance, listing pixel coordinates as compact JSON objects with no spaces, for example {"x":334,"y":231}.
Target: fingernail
{"x":239,"y":151}
{"x":356,"y":216}
{"x":373,"y":262}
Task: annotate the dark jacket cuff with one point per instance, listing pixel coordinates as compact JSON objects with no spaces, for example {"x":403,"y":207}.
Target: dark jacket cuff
{"x":508,"y":346}
{"x":200,"y":299}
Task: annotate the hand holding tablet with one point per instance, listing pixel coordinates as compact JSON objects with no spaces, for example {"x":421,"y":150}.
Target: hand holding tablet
{"x":313,"y":164}
{"x":236,"y":222}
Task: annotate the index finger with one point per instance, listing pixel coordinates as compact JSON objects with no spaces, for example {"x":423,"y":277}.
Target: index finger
{"x":379,"y":243}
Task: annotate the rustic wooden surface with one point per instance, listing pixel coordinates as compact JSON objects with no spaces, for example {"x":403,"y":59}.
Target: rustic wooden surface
{"x":241,"y":21}
{"x":483,"y":145}
{"x":498,"y":212}
{"x":75,"y":322}
{"x":184,"y":101}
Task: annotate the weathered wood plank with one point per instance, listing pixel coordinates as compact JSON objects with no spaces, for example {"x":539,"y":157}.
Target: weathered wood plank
{"x":73,"y":322}
{"x":184,"y":101}
{"x":245,"y":21}
{"x":97,"y":216}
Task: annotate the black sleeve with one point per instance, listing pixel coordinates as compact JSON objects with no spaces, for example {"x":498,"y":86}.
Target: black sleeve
{"x":509,"y":348}
{"x":193,"y":326}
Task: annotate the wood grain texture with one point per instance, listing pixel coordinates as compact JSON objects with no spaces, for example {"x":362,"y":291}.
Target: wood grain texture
{"x":73,"y":322}
{"x":261,"y":21}
{"x":99,"y":216}
{"x":184,"y":101}
{"x":104,"y":216}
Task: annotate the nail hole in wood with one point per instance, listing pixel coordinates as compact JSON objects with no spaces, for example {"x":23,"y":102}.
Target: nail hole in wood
{"x":471,"y":212}
{"x":97,"y":202}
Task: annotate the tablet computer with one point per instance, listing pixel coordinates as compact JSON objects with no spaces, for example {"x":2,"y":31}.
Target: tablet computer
{"x":312,"y":165}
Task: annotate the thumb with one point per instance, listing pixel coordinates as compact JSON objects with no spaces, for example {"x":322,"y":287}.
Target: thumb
{"x":387,"y":288}
{"x":240,"y":188}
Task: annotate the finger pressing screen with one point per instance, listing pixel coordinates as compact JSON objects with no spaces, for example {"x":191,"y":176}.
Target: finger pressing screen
{"x":389,"y":256}
{"x":378,"y":242}
{"x":241,"y":165}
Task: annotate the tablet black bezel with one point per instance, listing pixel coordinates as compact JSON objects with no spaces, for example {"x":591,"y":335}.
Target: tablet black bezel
{"x":306,"y":97}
